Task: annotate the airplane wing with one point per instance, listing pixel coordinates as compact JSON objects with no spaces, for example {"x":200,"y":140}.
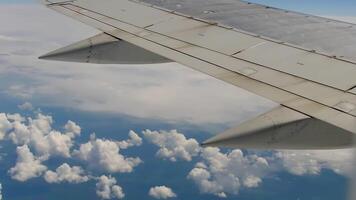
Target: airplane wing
{"x":305,"y":63}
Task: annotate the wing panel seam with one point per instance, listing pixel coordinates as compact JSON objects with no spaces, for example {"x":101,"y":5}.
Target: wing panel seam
{"x":333,"y":87}
{"x":219,"y":66}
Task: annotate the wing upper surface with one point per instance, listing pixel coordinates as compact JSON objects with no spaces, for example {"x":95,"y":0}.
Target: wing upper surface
{"x":324,"y":35}
{"x":312,"y":83}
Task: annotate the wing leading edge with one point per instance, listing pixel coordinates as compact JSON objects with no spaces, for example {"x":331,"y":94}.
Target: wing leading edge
{"x":315,"y":91}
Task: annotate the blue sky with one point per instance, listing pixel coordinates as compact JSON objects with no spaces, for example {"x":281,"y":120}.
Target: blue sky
{"x":112,"y":100}
{"x":320,"y":7}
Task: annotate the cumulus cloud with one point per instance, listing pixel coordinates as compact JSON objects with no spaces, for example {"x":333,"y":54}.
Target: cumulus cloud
{"x":173,"y":145}
{"x":15,"y":117}
{"x":5,"y":125}
{"x":161,"y":192}
{"x":27,"y":165}
{"x":134,"y":140}
{"x":38,"y":134}
{"x":26,"y":106}
{"x":72,"y":129}
{"x":107,"y":188}
{"x":66,"y":173}
{"x":252,"y":181}
{"x":217,"y":173}
{"x":105,"y":155}
{"x":21,"y":134}
{"x":312,"y":162}
{"x":0,"y":191}
{"x":225,"y":173}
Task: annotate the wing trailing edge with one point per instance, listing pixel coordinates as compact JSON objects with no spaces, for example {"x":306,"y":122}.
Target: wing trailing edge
{"x":104,"y":49}
{"x":283,"y":128}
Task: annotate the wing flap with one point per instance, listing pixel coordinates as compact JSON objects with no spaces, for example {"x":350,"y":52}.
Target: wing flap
{"x":283,"y":128}
{"x":104,"y":49}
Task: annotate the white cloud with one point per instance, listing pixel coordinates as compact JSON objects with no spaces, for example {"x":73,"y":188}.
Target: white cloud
{"x":20,"y":134}
{"x":8,"y":38}
{"x":39,"y":135}
{"x":15,"y":117}
{"x":72,"y":129}
{"x":161,"y":192}
{"x":222,"y":174}
{"x":55,"y":143}
{"x":173,"y":145}
{"x":0,"y":191}
{"x":350,"y":19}
{"x":312,"y":162}
{"x":252,"y":181}
{"x":5,"y":125}
{"x":66,"y":173}
{"x":27,"y":165}
{"x":26,"y":106}
{"x":134,"y":140}
{"x":107,"y":188}
{"x":105,"y":155}
{"x":225,"y":173}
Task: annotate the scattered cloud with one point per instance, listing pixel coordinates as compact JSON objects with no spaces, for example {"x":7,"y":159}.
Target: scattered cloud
{"x":0,"y":191}
{"x":252,"y":181}
{"x":174,"y":146}
{"x":222,"y":174}
{"x":5,"y":125}
{"x":225,"y":173}
{"x":26,"y":106}
{"x":134,"y":140}
{"x":217,"y":172}
{"x":27,"y":165}
{"x":312,"y":162}
{"x":72,"y":129}
{"x":105,"y":155}
{"x":38,"y":134}
{"x":66,"y":173}
{"x":107,"y":188}
{"x":161,"y":192}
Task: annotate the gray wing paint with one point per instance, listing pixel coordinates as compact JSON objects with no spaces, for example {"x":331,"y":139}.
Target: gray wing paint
{"x":104,"y":49}
{"x":323,"y":35}
{"x":304,"y":63}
